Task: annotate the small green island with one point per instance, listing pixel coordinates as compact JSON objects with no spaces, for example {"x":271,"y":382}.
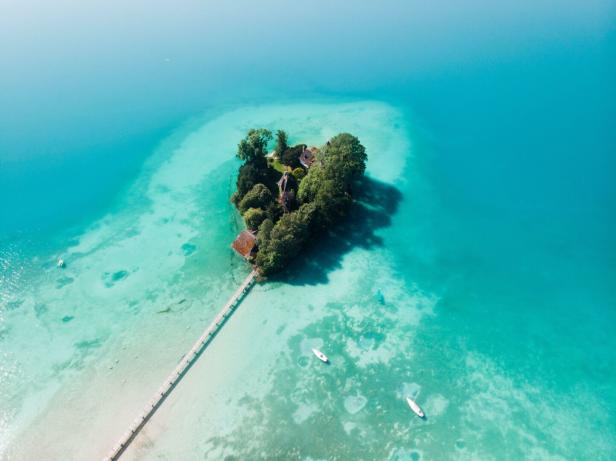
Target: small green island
{"x":292,"y":195}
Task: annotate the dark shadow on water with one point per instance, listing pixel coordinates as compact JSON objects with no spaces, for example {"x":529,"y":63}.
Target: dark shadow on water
{"x":375,"y":203}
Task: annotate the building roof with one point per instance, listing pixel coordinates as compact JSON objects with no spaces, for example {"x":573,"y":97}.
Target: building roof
{"x":245,"y":244}
{"x":308,"y":157}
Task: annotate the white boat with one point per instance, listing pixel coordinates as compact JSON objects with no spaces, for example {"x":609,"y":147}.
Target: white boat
{"x":322,"y":357}
{"x":61,"y":263}
{"x":416,"y":408}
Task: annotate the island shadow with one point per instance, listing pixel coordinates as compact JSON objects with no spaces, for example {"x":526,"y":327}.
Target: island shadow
{"x":375,"y":203}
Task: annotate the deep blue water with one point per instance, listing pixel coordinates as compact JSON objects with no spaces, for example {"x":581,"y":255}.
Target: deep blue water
{"x":512,"y":111}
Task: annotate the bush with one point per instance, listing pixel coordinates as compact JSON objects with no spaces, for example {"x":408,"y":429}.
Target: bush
{"x":254,"y":217}
{"x":257,"y":197}
{"x":235,"y":198}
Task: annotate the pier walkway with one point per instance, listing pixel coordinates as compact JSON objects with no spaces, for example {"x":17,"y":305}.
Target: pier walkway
{"x":191,"y":357}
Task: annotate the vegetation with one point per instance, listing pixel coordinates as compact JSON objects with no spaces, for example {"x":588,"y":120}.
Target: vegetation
{"x":281,"y":142}
{"x":322,"y":195}
{"x":254,"y":145}
{"x":257,"y":197}
{"x":253,"y":217}
{"x":290,"y":156}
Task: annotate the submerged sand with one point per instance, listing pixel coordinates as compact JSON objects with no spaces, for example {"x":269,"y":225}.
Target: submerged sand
{"x":149,"y":276}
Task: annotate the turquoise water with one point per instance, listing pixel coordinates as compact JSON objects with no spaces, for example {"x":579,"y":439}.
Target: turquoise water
{"x":480,"y":279}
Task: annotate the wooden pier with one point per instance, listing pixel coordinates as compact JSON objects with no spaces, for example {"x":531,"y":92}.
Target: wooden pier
{"x":187,"y":361}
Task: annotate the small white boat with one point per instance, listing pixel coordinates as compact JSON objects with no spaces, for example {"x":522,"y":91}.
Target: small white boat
{"x":416,"y":408}
{"x":61,"y":263}
{"x":322,"y":357}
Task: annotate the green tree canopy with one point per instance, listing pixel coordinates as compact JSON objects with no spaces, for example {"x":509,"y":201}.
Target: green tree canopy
{"x":285,"y":241}
{"x":290,"y":157}
{"x":331,"y":201}
{"x":265,"y":229}
{"x":253,"y":217}
{"x":254,"y":145}
{"x":344,"y":158}
{"x":274,"y":210}
{"x":310,"y":184}
{"x":250,"y":175}
{"x":281,"y":142}
{"x":257,"y":197}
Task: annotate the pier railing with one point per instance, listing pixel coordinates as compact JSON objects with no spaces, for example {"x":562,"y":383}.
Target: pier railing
{"x":180,"y":370}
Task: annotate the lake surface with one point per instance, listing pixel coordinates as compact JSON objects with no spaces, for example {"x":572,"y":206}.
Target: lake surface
{"x":477,"y":273}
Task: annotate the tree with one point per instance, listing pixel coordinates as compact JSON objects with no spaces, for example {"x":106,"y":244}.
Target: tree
{"x":310,"y":184}
{"x":307,"y":213}
{"x":344,"y":158}
{"x":274,"y":210}
{"x":285,"y":241}
{"x":264,"y":232}
{"x":290,"y":157}
{"x":253,"y":217}
{"x":257,"y":197}
{"x":254,"y":145}
{"x":332,"y":202}
{"x":249,"y":175}
{"x":281,"y":142}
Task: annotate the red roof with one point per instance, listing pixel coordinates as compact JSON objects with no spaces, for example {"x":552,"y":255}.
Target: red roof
{"x":245,"y":244}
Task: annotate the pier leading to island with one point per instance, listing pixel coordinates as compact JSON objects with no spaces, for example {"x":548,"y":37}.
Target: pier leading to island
{"x":182,"y":368}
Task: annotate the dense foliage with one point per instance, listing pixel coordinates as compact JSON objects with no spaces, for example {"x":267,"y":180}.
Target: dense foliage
{"x":323,"y":193}
{"x":253,"y":217}
{"x":281,"y":142}
{"x":257,"y":197}
{"x":290,"y":156}
{"x":254,"y":145}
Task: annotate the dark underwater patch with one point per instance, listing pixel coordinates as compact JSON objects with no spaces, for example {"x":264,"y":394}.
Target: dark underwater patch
{"x":14,"y":305}
{"x":111,"y":279}
{"x":188,"y":249}
{"x":88,"y":344}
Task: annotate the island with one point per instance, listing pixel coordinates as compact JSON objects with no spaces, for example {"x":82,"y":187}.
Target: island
{"x":292,"y":195}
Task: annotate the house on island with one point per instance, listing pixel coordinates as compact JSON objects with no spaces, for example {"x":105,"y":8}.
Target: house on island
{"x":286,"y":191}
{"x":245,"y":244}
{"x":308,"y":156}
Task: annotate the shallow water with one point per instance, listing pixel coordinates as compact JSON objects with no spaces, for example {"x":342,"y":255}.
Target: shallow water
{"x":476,"y":276}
